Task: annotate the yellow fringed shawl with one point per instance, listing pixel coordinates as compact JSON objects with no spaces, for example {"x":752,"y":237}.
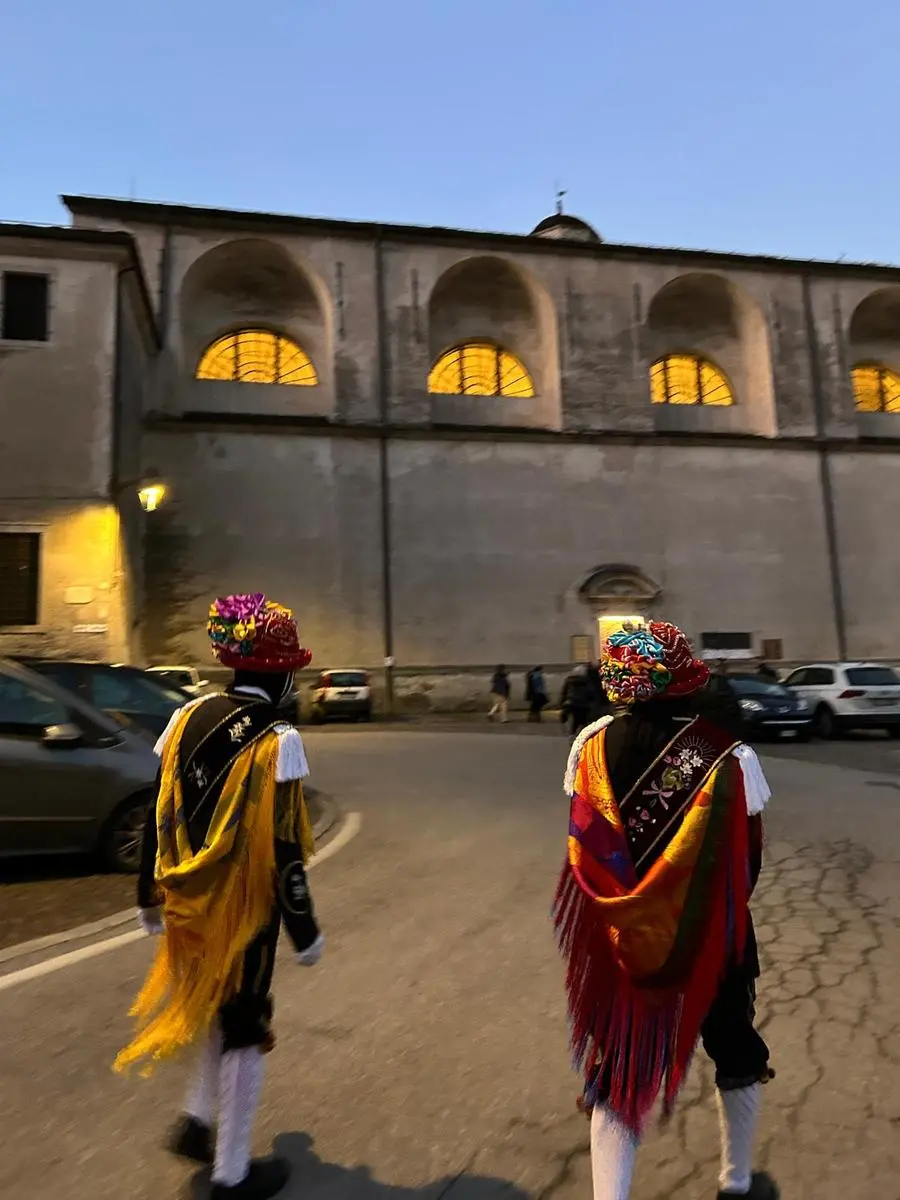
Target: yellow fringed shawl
{"x":216,"y":901}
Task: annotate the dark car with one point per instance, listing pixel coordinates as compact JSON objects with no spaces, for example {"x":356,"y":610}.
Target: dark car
{"x":135,"y":698}
{"x":71,"y":779}
{"x":766,"y":709}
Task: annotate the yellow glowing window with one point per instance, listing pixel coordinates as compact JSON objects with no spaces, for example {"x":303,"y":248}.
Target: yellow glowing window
{"x":479,"y":369}
{"x":257,"y":356}
{"x":876,"y":389}
{"x":686,"y":379}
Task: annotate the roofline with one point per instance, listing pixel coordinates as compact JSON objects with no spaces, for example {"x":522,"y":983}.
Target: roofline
{"x":112,"y":239}
{"x":164,"y":213}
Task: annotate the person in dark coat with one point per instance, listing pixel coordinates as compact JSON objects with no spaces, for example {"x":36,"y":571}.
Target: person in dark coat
{"x":500,"y":693}
{"x":536,"y":693}
{"x":575,"y":700}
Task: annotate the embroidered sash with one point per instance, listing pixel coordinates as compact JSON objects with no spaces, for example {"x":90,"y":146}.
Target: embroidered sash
{"x":213,"y":758}
{"x":654,"y":809}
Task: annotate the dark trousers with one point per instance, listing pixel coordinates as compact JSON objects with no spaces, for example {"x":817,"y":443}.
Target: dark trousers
{"x":728,"y":1035}
{"x":246,"y":1019}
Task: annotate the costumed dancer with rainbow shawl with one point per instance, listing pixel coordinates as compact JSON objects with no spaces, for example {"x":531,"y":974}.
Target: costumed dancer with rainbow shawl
{"x":665,"y":848}
{"x":223,"y":866}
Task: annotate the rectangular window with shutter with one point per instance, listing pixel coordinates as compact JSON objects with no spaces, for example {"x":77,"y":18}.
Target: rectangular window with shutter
{"x":25,"y":301}
{"x":19,"y":578}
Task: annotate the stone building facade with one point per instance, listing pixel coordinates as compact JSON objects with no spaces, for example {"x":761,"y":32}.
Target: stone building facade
{"x":78,"y":348}
{"x":451,"y":449}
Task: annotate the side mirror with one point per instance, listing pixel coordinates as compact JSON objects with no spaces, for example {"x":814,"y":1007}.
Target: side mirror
{"x":63,"y":736}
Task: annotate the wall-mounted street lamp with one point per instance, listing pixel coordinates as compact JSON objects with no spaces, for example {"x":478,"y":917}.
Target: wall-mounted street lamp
{"x":151,"y":493}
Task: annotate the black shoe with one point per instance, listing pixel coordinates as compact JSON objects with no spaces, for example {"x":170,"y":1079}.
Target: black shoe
{"x":762,"y":1187}
{"x":266,"y":1178}
{"x":192,"y":1139}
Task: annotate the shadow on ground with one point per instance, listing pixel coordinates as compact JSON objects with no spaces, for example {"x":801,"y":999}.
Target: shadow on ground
{"x":311,"y":1176}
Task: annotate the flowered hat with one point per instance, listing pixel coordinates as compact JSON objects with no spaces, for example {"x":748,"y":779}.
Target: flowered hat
{"x":251,"y":633}
{"x":656,"y":660}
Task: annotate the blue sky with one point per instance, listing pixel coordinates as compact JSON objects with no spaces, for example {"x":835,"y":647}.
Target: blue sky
{"x":765,"y":127}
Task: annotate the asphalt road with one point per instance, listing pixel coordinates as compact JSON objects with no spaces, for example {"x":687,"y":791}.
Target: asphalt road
{"x":426,"y":1054}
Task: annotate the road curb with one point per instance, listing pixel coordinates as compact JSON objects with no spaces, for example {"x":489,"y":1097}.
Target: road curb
{"x":329,"y":816}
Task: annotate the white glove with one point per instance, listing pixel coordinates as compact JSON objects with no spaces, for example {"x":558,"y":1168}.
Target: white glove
{"x":311,"y":955}
{"x":150,"y":921}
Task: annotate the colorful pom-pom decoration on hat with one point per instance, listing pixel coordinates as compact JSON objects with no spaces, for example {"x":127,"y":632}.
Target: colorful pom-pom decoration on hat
{"x":642,"y":662}
{"x":251,"y":633}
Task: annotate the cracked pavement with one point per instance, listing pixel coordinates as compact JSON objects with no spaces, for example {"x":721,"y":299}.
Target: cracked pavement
{"x":426,"y":1056}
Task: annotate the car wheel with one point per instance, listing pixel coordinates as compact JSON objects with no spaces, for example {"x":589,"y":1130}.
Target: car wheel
{"x":123,"y":837}
{"x":824,"y":723}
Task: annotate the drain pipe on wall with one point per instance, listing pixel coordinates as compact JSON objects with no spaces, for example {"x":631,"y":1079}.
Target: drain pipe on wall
{"x":384,"y":475}
{"x":819,"y":405}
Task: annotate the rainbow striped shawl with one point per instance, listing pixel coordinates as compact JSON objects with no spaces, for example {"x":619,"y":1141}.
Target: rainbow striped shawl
{"x":650,"y":910}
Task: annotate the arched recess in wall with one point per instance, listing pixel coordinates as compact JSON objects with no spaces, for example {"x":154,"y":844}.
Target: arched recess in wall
{"x":278,"y":309}
{"x":874,"y":343}
{"x":706,"y":318}
{"x":484,"y":307}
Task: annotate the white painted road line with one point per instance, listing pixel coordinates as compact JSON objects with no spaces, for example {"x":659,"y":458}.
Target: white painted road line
{"x":349,"y":830}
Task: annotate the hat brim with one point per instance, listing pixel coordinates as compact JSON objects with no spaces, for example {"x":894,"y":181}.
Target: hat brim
{"x":280,"y":665}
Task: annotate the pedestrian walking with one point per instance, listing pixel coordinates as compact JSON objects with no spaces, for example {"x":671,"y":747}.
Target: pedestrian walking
{"x":598,"y":701}
{"x":224,"y":857}
{"x":769,"y":674}
{"x":500,"y":690}
{"x":536,"y":696}
{"x":575,"y":700}
{"x":665,"y":847}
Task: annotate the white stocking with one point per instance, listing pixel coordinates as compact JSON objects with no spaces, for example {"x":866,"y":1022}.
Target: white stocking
{"x":613,"y":1151}
{"x":240,"y":1078}
{"x":200,"y":1102}
{"x":738,"y":1111}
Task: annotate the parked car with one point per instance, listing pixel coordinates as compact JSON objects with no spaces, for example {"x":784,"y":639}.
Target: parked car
{"x":844,"y":696}
{"x":766,"y":709}
{"x":129,"y":695}
{"x":342,"y":693}
{"x":186,"y":678}
{"x":72,"y":780}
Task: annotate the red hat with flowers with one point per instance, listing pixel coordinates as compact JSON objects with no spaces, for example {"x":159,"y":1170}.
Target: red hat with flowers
{"x":641,"y":662}
{"x":251,"y":633}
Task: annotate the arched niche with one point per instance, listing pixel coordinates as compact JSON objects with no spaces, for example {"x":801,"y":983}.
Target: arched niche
{"x":253,"y":283}
{"x":874,"y":342}
{"x":619,"y":589}
{"x":705,"y":315}
{"x":491,"y":300}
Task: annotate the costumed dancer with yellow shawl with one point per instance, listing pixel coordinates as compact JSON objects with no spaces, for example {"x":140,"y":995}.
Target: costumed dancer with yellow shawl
{"x":223,"y":866}
{"x":665,"y":847}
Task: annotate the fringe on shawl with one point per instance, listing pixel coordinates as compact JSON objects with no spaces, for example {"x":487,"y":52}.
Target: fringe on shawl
{"x":634,"y":1041}
{"x":209,"y":925}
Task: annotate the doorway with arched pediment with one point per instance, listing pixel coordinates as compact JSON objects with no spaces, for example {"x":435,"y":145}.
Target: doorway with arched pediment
{"x":616,"y":594}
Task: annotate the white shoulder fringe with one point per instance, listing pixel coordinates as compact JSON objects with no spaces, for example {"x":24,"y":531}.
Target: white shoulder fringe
{"x":292,"y":762}
{"x":163,"y":739}
{"x":578,"y":745}
{"x":756,"y":786}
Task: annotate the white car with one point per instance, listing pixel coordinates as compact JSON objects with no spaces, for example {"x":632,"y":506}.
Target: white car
{"x":849,"y":696}
{"x":342,"y":692}
{"x":186,"y":678}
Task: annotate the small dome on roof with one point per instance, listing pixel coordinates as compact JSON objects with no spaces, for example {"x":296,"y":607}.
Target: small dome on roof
{"x":565,"y":227}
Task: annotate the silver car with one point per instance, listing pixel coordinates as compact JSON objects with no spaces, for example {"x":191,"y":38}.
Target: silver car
{"x":72,"y":780}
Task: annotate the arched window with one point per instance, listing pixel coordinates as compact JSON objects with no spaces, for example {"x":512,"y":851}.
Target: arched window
{"x":876,"y":388}
{"x":687,"y":379}
{"x":479,"y":369}
{"x":257,"y":356}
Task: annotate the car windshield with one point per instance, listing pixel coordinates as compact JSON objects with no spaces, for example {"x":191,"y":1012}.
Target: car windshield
{"x":747,"y":686}
{"x":872,"y":677}
{"x":121,"y":690}
{"x":347,"y":678}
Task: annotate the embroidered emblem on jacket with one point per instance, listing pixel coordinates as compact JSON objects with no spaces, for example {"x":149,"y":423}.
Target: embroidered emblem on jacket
{"x":238,"y":730}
